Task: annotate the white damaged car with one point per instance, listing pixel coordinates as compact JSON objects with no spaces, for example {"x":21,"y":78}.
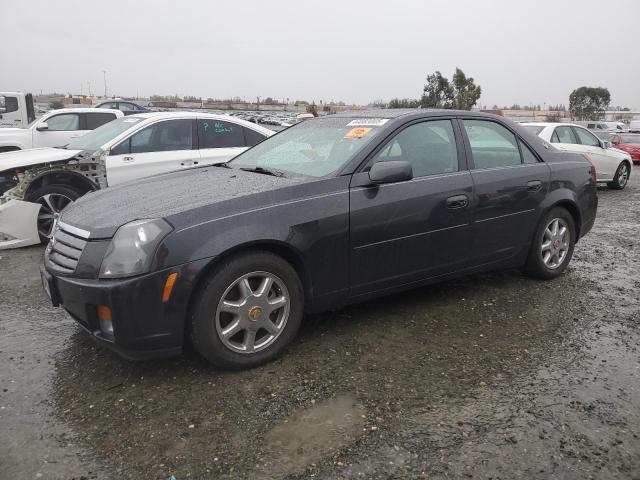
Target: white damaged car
{"x":36,"y":184}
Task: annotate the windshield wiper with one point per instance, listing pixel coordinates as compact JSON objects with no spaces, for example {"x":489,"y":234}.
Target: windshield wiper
{"x":223,"y":165}
{"x":264,"y":171}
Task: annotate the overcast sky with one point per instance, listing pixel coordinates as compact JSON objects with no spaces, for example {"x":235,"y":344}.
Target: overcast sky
{"x":356,"y":51}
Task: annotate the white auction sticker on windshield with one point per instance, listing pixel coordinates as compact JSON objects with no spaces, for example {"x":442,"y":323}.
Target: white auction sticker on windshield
{"x":367,"y":122}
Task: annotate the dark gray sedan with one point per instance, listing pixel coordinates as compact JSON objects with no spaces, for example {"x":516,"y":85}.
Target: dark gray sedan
{"x":329,"y":212}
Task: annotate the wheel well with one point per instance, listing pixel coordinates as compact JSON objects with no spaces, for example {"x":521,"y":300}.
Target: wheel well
{"x":8,"y":149}
{"x":70,"y":179}
{"x":285,"y":252}
{"x":575,"y":213}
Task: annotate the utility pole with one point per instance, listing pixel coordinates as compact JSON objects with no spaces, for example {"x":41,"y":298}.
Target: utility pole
{"x":104,"y":78}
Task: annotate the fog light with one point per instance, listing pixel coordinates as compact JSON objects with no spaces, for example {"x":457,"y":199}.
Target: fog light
{"x":104,"y":315}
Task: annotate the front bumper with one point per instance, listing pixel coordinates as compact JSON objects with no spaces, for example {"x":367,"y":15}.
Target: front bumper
{"x":143,"y":326}
{"x":18,"y":224}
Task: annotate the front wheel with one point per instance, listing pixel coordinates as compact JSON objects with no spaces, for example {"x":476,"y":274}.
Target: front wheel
{"x":621,"y":177}
{"x":248,"y":310}
{"x":552,"y":246}
{"x":53,"y":199}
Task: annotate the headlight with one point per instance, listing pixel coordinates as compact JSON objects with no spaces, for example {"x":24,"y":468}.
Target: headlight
{"x":132,"y":247}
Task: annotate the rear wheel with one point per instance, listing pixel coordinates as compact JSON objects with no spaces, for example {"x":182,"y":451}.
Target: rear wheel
{"x":52,"y":198}
{"x":248,"y":310}
{"x":552,"y":246}
{"x":621,"y":177}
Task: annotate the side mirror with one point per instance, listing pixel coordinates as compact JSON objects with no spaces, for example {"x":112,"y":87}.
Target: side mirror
{"x":43,"y":126}
{"x":606,"y":144}
{"x":389,"y":172}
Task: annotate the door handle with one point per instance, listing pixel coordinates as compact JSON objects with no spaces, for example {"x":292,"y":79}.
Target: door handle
{"x":458,"y":201}
{"x":127,"y":159}
{"x":188,"y":163}
{"x":534,"y":186}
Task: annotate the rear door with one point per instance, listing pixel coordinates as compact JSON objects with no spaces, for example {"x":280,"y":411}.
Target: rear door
{"x":606,"y":163}
{"x":161,"y":147}
{"x":408,"y":231}
{"x":510,"y":182}
{"x":220,"y":140}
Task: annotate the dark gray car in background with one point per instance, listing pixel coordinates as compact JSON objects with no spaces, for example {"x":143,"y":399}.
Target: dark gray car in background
{"x":329,"y":212}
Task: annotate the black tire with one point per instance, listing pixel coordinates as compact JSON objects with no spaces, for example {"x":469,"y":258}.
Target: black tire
{"x":621,"y":177}
{"x":59,"y":197}
{"x":204,"y":321}
{"x":536,"y":266}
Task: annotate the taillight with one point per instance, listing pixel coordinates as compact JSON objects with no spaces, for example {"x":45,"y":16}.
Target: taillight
{"x":593,"y":169}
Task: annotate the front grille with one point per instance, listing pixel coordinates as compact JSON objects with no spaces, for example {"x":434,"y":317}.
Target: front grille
{"x":64,"y":251}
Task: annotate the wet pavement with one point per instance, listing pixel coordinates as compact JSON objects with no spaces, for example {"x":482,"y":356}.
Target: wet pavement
{"x":489,"y":376}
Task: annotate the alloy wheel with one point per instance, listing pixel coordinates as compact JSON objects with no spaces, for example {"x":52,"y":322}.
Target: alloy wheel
{"x":555,"y":243}
{"x":623,"y":175}
{"x":253,"y":312}
{"x":51,"y":204}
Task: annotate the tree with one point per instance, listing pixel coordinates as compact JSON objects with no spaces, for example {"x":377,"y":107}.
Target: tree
{"x":465,"y":90}
{"x":312,"y":109}
{"x":589,"y":103}
{"x":437,"y":92}
{"x":403,"y":103}
{"x":461,"y":92}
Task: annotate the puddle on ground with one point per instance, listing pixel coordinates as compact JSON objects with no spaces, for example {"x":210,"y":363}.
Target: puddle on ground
{"x":309,"y":435}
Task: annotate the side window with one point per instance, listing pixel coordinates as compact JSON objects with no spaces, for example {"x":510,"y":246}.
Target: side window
{"x":219,"y":134}
{"x":108,"y":105}
{"x":492,"y":145}
{"x":122,"y":148}
{"x":163,"y":137}
{"x":8,"y":104}
{"x":251,"y":137}
{"x":64,"y":122}
{"x":125,"y":107}
{"x":527,"y":155}
{"x":587,"y":138}
{"x":564,"y":135}
{"x":429,"y":146}
{"x":95,"y":120}
{"x":591,"y":125}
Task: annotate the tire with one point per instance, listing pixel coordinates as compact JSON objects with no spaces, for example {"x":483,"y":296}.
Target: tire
{"x":536,"y":265}
{"x":53,"y":199}
{"x":222,"y":332}
{"x":621,"y":177}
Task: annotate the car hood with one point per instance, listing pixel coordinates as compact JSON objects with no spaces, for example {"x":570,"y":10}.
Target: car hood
{"x":34,"y":156}
{"x":165,"y":195}
{"x":618,"y":153}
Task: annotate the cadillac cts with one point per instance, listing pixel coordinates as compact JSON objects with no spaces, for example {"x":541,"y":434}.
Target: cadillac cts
{"x":329,"y":212}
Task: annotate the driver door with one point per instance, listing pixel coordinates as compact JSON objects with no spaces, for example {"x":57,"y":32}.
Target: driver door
{"x":408,"y":231}
{"x":61,"y":129}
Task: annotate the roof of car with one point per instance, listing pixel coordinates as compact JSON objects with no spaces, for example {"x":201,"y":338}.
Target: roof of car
{"x":549,"y":124}
{"x":400,"y":112}
{"x":213,"y":116}
{"x":83,"y":110}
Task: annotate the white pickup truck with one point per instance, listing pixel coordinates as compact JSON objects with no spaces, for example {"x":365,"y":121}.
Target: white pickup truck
{"x":55,"y":128}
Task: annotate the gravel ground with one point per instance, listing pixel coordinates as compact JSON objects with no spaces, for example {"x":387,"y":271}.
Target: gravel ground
{"x":489,"y":376}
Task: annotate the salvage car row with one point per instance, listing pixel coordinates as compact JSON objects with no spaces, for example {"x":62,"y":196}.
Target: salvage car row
{"x":36,"y":184}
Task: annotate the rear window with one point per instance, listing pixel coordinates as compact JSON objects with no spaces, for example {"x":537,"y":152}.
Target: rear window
{"x":95,"y":120}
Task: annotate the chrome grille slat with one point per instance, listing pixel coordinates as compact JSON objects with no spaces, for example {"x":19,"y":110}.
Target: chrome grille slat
{"x":64,"y":251}
{"x":67,"y":251}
